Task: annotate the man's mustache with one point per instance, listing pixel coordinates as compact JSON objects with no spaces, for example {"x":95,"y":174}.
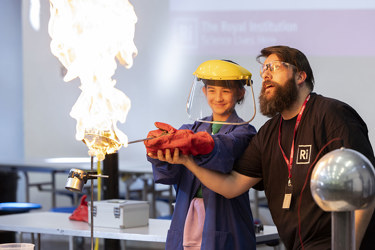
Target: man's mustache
{"x":268,"y":82}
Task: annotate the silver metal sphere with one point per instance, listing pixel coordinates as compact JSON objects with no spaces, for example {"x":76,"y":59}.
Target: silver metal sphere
{"x":343,"y":180}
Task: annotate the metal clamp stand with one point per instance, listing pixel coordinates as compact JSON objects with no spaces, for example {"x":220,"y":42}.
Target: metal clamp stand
{"x":76,"y":180}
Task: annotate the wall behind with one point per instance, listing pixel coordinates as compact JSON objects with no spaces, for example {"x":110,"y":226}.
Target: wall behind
{"x":173,"y":38}
{"x":11,"y":94}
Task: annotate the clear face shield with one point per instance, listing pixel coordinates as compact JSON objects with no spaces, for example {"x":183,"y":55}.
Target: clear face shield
{"x":221,"y":97}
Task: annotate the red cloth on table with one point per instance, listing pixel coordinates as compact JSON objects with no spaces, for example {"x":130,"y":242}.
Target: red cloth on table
{"x":81,"y":213}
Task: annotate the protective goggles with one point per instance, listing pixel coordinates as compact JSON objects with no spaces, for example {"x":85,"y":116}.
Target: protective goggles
{"x":274,"y":66}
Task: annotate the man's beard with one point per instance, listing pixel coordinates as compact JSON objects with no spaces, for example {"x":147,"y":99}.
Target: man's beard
{"x":283,"y":98}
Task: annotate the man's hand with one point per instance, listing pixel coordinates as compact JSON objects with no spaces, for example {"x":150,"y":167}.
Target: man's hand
{"x":175,"y":158}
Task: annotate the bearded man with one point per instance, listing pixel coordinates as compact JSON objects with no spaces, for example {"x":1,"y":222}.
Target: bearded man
{"x":281,"y":154}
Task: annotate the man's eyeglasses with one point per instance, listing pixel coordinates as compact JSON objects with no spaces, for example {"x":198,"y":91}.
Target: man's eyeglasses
{"x":274,"y":66}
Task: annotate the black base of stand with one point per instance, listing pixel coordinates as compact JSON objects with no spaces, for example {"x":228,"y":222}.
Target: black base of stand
{"x":111,"y":189}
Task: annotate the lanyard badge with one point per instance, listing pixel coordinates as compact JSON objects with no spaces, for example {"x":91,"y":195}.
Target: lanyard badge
{"x":289,"y":162}
{"x":288,"y":195}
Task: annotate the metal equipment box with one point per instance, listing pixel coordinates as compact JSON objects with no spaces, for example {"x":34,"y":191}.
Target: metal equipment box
{"x":117,"y":213}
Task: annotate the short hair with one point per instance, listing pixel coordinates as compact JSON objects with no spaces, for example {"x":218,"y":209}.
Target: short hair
{"x":237,"y":85}
{"x":292,"y":56}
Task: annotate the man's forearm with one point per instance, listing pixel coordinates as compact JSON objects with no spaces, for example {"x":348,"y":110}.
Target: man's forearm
{"x":229,"y":185}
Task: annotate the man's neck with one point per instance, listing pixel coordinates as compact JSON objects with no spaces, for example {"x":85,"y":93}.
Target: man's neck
{"x":294,"y":109}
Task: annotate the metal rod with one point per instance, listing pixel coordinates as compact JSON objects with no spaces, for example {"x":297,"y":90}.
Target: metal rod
{"x":148,"y":138}
{"x":99,"y":175}
{"x":140,"y":140}
{"x":92,"y":205}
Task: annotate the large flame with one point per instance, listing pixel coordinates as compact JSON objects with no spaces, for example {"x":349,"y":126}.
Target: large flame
{"x":87,"y":37}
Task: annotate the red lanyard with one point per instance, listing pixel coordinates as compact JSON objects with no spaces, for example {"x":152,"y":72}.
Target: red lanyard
{"x":289,"y":162}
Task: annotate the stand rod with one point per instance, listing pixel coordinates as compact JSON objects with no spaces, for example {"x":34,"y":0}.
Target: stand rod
{"x":92,"y":205}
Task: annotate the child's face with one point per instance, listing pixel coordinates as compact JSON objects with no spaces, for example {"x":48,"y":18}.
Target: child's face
{"x":221,"y":100}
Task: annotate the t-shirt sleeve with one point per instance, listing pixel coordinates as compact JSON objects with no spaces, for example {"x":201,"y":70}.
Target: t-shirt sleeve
{"x":249,"y":163}
{"x":347,"y":125}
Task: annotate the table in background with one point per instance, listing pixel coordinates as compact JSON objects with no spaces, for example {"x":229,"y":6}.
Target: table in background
{"x":40,"y":166}
{"x":54,"y":166}
{"x":59,"y":224}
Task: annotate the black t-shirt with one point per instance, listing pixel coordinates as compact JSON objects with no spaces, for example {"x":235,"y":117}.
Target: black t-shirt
{"x":323,"y":120}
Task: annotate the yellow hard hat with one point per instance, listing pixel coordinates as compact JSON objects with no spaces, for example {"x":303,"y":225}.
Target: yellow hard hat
{"x":222,"y":70}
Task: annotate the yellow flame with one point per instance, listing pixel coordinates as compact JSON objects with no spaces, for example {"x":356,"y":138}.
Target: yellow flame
{"x":87,"y":37}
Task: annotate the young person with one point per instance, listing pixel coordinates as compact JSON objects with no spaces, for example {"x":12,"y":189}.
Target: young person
{"x":203,"y":219}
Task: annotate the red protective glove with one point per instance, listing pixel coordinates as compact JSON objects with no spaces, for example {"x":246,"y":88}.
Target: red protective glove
{"x":167,"y":137}
{"x":81,"y":213}
{"x":163,"y":129}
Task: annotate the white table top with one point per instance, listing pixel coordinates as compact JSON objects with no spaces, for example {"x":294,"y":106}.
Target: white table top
{"x":59,"y":224}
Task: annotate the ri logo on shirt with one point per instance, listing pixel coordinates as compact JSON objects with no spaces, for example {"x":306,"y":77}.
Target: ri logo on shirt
{"x":303,"y":154}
